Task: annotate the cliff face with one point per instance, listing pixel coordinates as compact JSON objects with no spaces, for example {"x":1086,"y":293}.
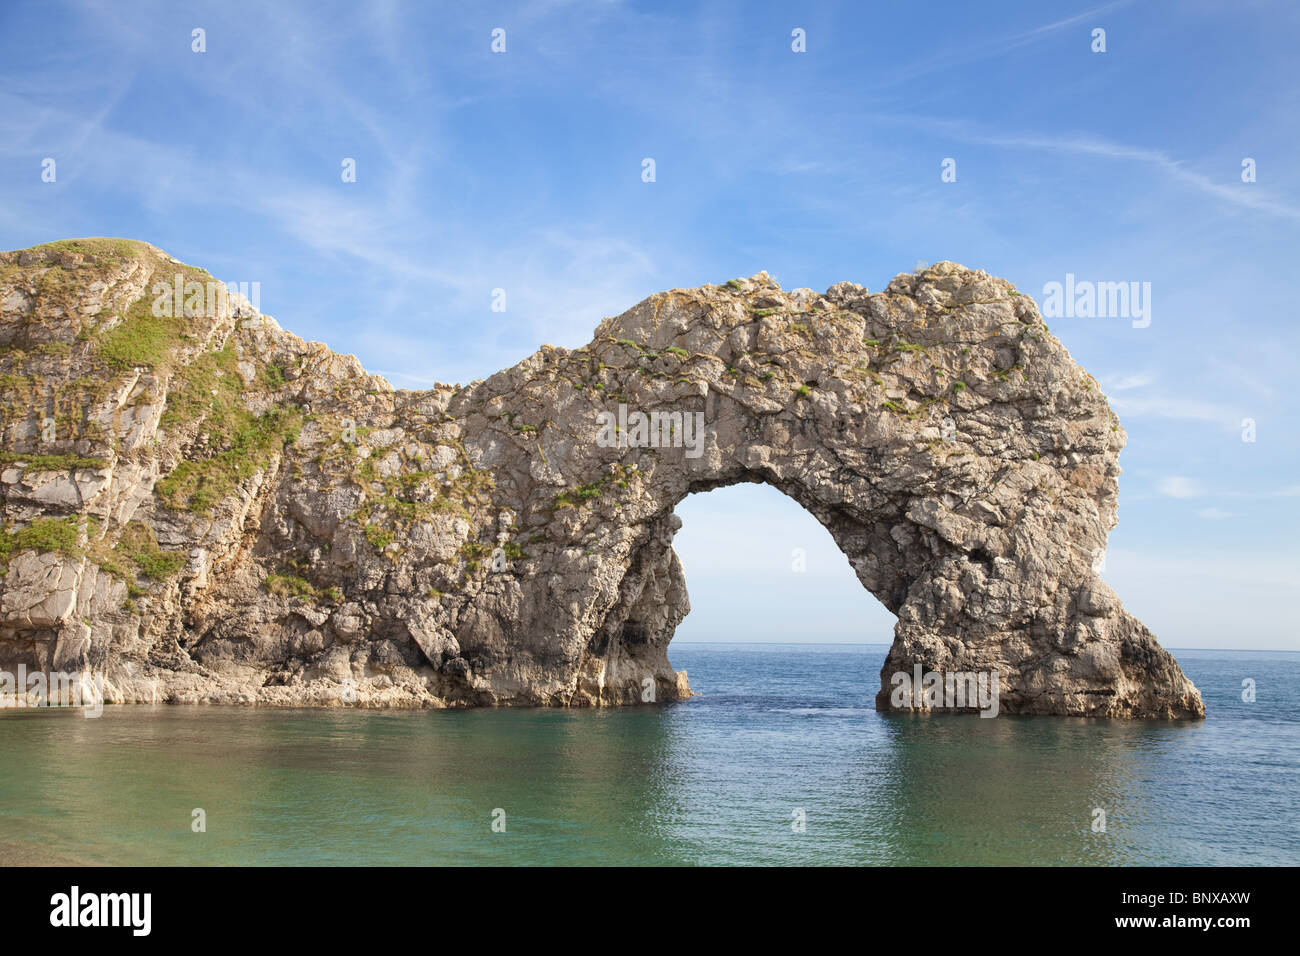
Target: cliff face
{"x":199,"y":506}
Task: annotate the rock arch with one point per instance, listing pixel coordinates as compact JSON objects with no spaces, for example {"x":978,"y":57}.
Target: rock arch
{"x":964,"y":464}
{"x":488,"y":545}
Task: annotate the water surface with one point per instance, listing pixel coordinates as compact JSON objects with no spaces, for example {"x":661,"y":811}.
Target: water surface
{"x":777,"y":730}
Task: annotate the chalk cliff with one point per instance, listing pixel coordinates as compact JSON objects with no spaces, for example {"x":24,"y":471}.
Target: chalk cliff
{"x":200,"y":506}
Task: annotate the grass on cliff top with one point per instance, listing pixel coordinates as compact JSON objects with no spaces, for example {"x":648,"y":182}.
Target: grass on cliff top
{"x":103,"y":248}
{"x":55,"y":279}
{"x":206,"y":394}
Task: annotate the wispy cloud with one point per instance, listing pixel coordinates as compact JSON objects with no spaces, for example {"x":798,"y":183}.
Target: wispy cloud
{"x":1176,"y":407}
{"x":986,"y":48}
{"x":1124,"y":383}
{"x":1216,"y":514}
{"x":1290,"y":491}
{"x":1177,"y":486}
{"x":1082,"y":143}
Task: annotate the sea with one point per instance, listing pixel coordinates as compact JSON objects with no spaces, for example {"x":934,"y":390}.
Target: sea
{"x":781,"y":759}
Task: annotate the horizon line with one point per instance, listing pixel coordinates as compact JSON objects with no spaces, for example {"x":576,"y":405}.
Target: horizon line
{"x":1262,"y":650}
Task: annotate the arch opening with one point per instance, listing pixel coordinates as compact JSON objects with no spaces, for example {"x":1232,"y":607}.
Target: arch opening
{"x":761,"y":569}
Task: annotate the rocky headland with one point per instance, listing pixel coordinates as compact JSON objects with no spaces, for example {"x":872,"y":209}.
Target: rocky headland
{"x":199,"y":506}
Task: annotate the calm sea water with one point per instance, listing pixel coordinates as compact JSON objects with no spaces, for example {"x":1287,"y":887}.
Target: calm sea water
{"x":778,"y":729}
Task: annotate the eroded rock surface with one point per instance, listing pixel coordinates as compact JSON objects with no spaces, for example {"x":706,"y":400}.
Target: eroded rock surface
{"x":207,"y":508}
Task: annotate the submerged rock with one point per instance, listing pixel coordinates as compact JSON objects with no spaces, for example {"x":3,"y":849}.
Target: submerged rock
{"x":200,"y":506}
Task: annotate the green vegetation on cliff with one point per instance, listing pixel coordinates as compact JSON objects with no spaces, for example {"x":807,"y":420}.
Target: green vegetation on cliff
{"x":50,"y":462}
{"x":198,"y":484}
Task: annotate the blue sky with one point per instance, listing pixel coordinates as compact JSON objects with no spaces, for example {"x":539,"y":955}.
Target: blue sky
{"x":522,"y":171}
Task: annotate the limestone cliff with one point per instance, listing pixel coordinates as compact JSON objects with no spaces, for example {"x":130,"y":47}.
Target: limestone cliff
{"x":200,"y":506}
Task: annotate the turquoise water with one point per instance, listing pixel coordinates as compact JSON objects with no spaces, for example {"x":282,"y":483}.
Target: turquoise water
{"x":718,"y":779}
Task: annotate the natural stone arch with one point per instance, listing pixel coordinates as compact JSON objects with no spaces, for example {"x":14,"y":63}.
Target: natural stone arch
{"x":319,"y":537}
{"x":979,"y":533}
